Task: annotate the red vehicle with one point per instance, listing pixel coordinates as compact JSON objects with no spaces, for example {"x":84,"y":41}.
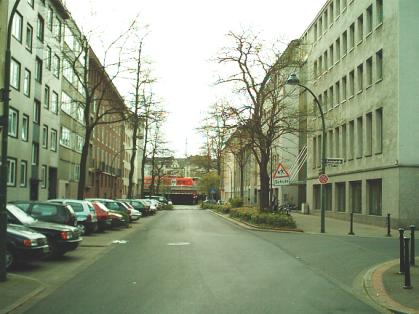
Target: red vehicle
{"x":115,"y":219}
{"x":104,"y":219}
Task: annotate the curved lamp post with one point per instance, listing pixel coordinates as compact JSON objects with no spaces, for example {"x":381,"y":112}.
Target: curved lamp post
{"x":293,"y":80}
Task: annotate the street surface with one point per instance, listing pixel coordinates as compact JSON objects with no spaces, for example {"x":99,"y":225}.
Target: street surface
{"x":192,"y":261}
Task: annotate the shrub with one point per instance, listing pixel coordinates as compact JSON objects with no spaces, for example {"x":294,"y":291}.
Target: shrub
{"x":265,"y":219}
{"x":236,"y":202}
{"x":167,"y":207}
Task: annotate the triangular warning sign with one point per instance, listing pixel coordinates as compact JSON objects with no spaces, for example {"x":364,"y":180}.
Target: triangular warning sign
{"x":280,"y":172}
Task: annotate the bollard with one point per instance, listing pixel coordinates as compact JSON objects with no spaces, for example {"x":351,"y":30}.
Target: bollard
{"x":407,"y":283}
{"x":388,"y":226}
{"x":351,"y":224}
{"x":412,"y":245}
{"x":401,"y":231}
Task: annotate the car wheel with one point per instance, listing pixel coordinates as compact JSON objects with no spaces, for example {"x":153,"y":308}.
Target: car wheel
{"x":10,"y":259}
{"x":82,"y":229}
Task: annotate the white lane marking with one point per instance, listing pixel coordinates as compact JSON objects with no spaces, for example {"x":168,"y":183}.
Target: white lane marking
{"x":119,"y":242}
{"x":178,"y":243}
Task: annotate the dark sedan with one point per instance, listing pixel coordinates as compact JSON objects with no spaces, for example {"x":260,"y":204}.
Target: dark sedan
{"x":24,"y":245}
{"x":61,"y":238}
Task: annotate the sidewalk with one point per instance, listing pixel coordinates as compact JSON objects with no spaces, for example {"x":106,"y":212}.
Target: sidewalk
{"x":383,"y":284}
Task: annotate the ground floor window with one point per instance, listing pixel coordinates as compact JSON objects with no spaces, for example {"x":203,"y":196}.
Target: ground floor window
{"x":340,"y":197}
{"x":374,"y":188}
{"x":356,"y":196}
{"x":316,"y":196}
{"x":328,"y":192}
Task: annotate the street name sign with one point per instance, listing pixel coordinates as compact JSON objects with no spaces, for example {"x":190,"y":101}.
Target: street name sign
{"x":334,"y":161}
{"x":280,"y":176}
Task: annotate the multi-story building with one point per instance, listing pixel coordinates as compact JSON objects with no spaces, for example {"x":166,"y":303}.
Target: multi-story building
{"x":35,"y":79}
{"x":362,"y":64}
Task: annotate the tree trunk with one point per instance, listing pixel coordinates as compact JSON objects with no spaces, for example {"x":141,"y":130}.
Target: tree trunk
{"x":264,"y":182}
{"x":133,"y":157}
{"x":83,"y":165}
{"x":242,"y":181}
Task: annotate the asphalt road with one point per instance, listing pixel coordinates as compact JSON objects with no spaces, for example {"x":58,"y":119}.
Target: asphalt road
{"x":191,"y":261}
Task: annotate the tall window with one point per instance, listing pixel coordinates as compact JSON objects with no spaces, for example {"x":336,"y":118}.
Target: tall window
{"x":359,"y":133}
{"x":37,"y":111}
{"x":49,"y":58}
{"x":331,"y":56}
{"x":331,"y":97}
{"x":27,"y":83}
{"x":337,"y":8}
{"x":344,"y":155}
{"x":374,"y":188}
{"x":53,"y":145}
{"x":44,"y":176}
{"x":356,"y":196}
{"x":337,"y":142}
{"x":40,"y":28}
{"x":54,"y":102}
{"x":379,"y":8}
{"x":17,"y":26}
{"x":35,"y":154}
{"x":352,"y":36}
{"x":337,"y":49}
{"x":344,"y":87}
{"x":378,"y":131}
{"x":50,"y":16}
{"x":360,"y":76}
{"x":337,"y":92}
{"x":314,"y":152}
{"x":45,"y":136}
{"x":369,"y":20}
{"x":11,"y":172}
{"x":360,"y":28}
{"x":15,"y":74}
{"x":13,"y":122}
{"x":57,"y":29}
{"x":369,"y":71}
{"x":56,"y":66}
{"x":351,"y":83}
{"x":326,"y":61}
{"x":368,"y":131}
{"x":65,"y":139}
{"x":38,"y":70}
{"x":331,"y":13}
{"x":379,"y":65}
{"x":340,"y":196}
{"x":344,"y":43}
{"x":23,"y":173}
{"x":351,"y":139}
{"x":46,"y":97}
{"x":25,"y":128}
{"x":29,"y":35}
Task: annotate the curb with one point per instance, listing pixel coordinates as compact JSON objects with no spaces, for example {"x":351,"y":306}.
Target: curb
{"x":250,"y":226}
{"x":26,"y":297}
{"x":374,"y":288}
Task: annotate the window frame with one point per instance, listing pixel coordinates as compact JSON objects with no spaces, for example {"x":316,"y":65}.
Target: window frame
{"x":23,"y":172}
{"x":15,"y":125}
{"x":24,"y":128}
{"x":12,"y":72}
{"x":19,"y":24}
{"x":11,"y":176}
{"x":27,"y":82}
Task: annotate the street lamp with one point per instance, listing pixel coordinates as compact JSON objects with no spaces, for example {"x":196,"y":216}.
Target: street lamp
{"x":293,"y":80}
{"x":4,"y":143}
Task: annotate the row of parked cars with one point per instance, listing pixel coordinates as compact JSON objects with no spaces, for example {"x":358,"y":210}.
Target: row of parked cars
{"x":40,"y":229}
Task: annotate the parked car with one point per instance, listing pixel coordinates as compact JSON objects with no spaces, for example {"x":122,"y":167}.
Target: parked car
{"x":161,"y":199}
{"x":24,"y":244}
{"x":134,"y":214}
{"x":115,"y":210}
{"x":152,"y":205}
{"x":85,"y":213}
{"x":61,"y":238}
{"x":104,"y":219}
{"x":57,"y":213}
{"x":139,"y":205}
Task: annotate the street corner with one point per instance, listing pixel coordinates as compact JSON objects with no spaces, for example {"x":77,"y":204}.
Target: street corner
{"x":383,"y":285}
{"x":17,"y":290}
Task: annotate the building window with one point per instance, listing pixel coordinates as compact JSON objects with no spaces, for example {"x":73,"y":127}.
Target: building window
{"x":356,"y":196}
{"x":29,"y":36}
{"x":35,"y":154}
{"x":54,"y":102}
{"x":38,"y":70}
{"x":23,"y":173}
{"x":360,"y":142}
{"x":337,"y":49}
{"x":40,"y":28}
{"x":368,"y":131}
{"x":27,"y":83}
{"x":13,"y":122}
{"x":325,"y":101}
{"x":344,"y":156}
{"x":320,"y":26}
{"x":65,"y":139}
{"x":320,"y":65}
{"x":374,"y":196}
{"x":351,"y":84}
{"x":316,"y":196}
{"x":331,"y":56}
{"x":25,"y":128}
{"x":379,"y":131}
{"x":328,"y":196}
{"x":351,"y":36}
{"x":344,"y":87}
{"x":337,"y":142}
{"x":319,"y":150}
{"x":314,"y":152}
{"x":17,"y":27}
{"x":351,"y":140}
{"x":66,"y":103}
{"x":46,"y":97}
{"x":331,"y":13}
{"x":360,"y":28}
{"x":45,"y":136}
{"x":344,"y":43}
{"x":37,"y":112}
{"x":325,"y":61}
{"x":337,"y":8}
{"x":325,"y":20}
{"x":50,"y":16}
{"x":44,"y":176}
{"x":67,"y":70}
{"x":379,"y":64}
{"x":360,"y":77}
{"x":57,"y":29}
{"x":11,"y":172}
{"x":315,"y":71}
{"x":340,"y":197}
{"x":330,"y":143}
{"x":331,"y":97}
{"x":56,"y":66}
{"x":315,"y":32}
{"x":337,"y":92}
{"x":379,"y":8}
{"x":49,"y":58}
{"x":369,"y":20}
{"x":369,"y":71}
{"x":53,"y":145}
{"x":15,"y":74}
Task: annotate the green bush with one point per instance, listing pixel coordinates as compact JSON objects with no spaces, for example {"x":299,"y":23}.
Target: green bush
{"x":264,"y":219}
{"x":225,"y":209}
{"x":236,"y":202}
{"x":167,"y":207}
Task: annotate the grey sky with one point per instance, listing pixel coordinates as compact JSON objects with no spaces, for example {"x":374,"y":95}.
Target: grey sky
{"x":184,"y":36}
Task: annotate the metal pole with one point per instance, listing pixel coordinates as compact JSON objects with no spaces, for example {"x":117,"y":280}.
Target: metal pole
{"x":388,"y":226}
{"x":407,"y":282}
{"x":412,"y":245}
{"x":4,"y":144}
{"x":351,"y":224}
{"x":323,"y":161}
{"x":401,"y":231}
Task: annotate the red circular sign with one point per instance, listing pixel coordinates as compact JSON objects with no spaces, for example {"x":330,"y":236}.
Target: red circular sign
{"x":323,"y":178}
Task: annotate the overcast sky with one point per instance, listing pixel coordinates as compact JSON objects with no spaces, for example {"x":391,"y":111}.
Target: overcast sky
{"x":184,"y":36}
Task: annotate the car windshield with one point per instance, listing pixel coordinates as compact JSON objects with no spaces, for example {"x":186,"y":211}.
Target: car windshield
{"x":112,"y":205}
{"x":20,"y":215}
{"x":78,"y":207}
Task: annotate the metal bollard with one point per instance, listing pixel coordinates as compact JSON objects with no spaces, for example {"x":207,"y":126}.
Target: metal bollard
{"x":407,"y":283}
{"x":401,"y":231}
{"x":388,"y":226}
{"x":351,"y":224}
{"x":412,"y":245}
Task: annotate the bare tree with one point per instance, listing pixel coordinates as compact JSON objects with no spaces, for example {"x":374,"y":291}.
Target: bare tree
{"x":267,"y":116}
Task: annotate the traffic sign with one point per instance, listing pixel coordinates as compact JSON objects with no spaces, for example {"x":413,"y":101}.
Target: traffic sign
{"x":334,"y":161}
{"x":280,"y":176}
{"x":323,"y":179}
